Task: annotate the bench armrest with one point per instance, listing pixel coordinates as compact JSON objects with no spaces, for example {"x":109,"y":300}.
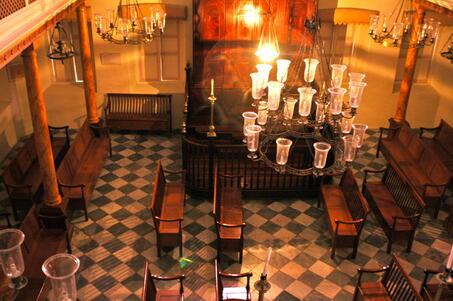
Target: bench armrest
{"x":428,"y":272}
{"x":59,"y":127}
{"x":71,"y":186}
{"x":410,"y":217}
{"x":369,"y":271}
{"x":367,"y":171}
{"x":357,"y":221}
{"x":168,"y":219}
{"x":182,"y":171}
{"x":230,"y":225}
{"x":423,"y":129}
{"x":28,"y":186}
{"x":158,"y":277}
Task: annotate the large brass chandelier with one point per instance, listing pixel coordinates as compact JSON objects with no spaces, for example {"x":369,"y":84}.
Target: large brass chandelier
{"x":131,"y":23}
{"x":324,"y":127}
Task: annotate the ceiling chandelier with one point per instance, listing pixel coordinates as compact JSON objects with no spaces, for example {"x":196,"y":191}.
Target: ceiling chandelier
{"x":447,"y":50}
{"x":131,"y":23}
{"x":389,"y":30}
{"x":324,"y":120}
{"x":60,"y":45}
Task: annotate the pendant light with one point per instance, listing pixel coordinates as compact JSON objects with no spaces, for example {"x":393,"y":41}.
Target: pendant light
{"x":268,"y":47}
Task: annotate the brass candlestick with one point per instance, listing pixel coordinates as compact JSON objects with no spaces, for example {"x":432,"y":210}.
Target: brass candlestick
{"x":211,"y":132}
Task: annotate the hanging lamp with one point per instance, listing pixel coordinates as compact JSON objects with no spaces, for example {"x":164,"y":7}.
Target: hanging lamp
{"x":268,"y":49}
{"x":60,"y":47}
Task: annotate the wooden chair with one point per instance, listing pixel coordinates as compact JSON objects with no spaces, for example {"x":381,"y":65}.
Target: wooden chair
{"x":429,"y":288}
{"x":346,"y":211}
{"x":151,"y":293}
{"x":228,"y":214}
{"x":167,"y":209}
{"x":396,"y":205}
{"x":231,"y":293}
{"x":394,"y":284}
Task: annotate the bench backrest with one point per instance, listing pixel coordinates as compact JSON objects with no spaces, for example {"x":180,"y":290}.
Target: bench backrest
{"x":31,"y":228}
{"x":222,"y":183}
{"x":444,"y":136}
{"x":398,"y":284}
{"x":354,"y":198}
{"x":21,"y":163}
{"x":147,"y":104}
{"x":71,"y":161}
{"x":149,"y":288}
{"x":157,"y":198}
{"x":404,"y":195}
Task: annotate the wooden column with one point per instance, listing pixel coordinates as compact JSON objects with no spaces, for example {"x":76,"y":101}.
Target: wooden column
{"x":40,"y":126}
{"x":87,"y":65}
{"x":409,"y":67}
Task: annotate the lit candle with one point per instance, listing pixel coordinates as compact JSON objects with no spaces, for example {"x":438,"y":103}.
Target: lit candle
{"x":212,"y":86}
{"x":450,"y":259}
{"x":268,"y":259}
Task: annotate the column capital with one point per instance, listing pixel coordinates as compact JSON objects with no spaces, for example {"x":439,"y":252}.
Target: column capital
{"x":31,"y":50}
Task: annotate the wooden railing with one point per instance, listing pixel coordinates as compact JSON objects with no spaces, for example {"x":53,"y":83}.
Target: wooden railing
{"x":199,"y":159}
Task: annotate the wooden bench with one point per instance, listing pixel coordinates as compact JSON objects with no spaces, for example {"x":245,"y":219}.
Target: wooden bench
{"x":167,"y":209}
{"x":79,"y":170}
{"x":151,"y":293}
{"x":231,"y":293}
{"x":23,"y":177}
{"x":441,"y":143}
{"x":138,"y":112}
{"x":228,"y":215}
{"x":346,"y":211}
{"x":419,"y":165}
{"x":394,"y":284}
{"x":395,"y":204}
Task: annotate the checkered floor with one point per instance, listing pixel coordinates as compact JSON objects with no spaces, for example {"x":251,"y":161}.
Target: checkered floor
{"x":119,"y":236}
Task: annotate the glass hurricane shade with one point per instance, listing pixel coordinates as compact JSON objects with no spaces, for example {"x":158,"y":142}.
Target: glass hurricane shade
{"x":123,"y":27}
{"x":283,"y":146}
{"x":356,"y":77}
{"x":253,"y":137}
{"x":310,"y":69}
{"x":397,"y":32}
{"x":268,"y":49}
{"x":282,"y":70}
{"x":11,"y":258}
{"x":274,"y":91}
{"x":336,"y":100}
{"x":305,"y":100}
{"x":320,"y":112}
{"x":358,"y":131}
{"x":288,"y":109}
{"x":61,"y":269}
{"x":249,"y":119}
{"x":262,"y":113}
{"x":349,"y":150}
{"x":355,"y":93}
{"x":264,"y":70}
{"x":321,"y":152}
{"x":346,"y":123}
{"x":337,"y":75}
{"x":256,"y":85}
{"x":374,"y":23}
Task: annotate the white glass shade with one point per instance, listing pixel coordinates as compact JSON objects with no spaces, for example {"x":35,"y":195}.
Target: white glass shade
{"x":346,"y":123}
{"x":359,"y":133}
{"x":249,"y":119}
{"x":274,"y":91}
{"x":355,"y":93}
{"x":321,"y":152}
{"x":262,"y":113}
{"x":256,"y":85}
{"x":305,"y":100}
{"x":310,"y":69}
{"x":264,"y":70}
{"x":374,"y":23}
{"x":149,"y":28}
{"x":397,"y":31}
{"x":253,"y":137}
{"x":356,"y":77}
{"x":11,"y":258}
{"x":102,"y":25}
{"x":349,"y":150}
{"x":61,"y":269}
{"x":111,"y":16}
{"x":320,"y":112}
{"x":336,"y":100}
{"x":123,"y":27}
{"x":337,"y":75}
{"x":283,"y":146}
{"x":288,"y":109}
{"x":282,"y":70}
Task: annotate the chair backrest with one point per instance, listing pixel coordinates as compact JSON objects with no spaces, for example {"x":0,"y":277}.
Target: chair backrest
{"x":398,"y":284}
{"x":158,"y":190}
{"x":354,"y":198}
{"x":444,"y":136}
{"x":220,"y":286}
{"x":404,"y":195}
{"x":149,"y":288}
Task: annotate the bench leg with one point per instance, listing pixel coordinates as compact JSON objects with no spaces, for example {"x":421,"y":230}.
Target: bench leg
{"x":219,"y":249}
{"x":354,"y":249}
{"x":389,"y":244}
{"x":409,"y":243}
{"x":334,"y":246}
{"x":158,"y":246}
{"x":180,"y":246}
{"x":240,"y":255}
